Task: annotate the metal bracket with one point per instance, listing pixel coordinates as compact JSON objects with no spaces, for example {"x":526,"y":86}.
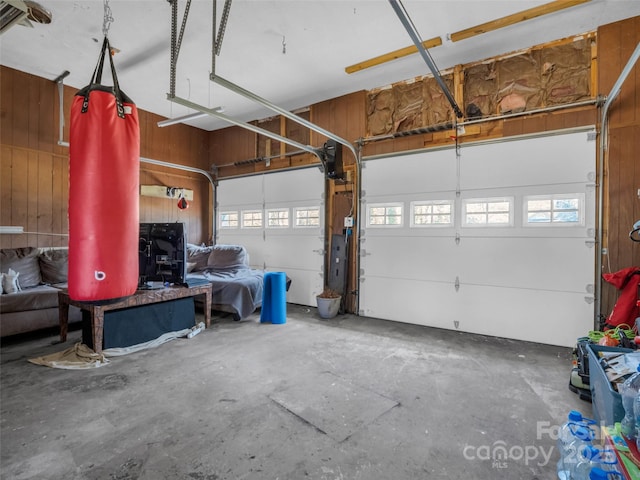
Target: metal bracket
{"x":223,"y":25}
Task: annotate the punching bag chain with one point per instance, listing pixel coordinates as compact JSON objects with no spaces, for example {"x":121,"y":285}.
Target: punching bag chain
{"x":108,"y":18}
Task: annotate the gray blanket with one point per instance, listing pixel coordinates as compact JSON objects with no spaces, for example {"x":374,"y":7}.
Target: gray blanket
{"x":240,"y":288}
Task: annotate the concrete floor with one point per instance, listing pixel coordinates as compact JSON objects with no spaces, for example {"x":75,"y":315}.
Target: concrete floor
{"x":347,"y":398}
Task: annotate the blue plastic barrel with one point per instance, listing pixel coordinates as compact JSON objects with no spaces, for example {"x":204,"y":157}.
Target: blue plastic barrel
{"x":274,"y":298}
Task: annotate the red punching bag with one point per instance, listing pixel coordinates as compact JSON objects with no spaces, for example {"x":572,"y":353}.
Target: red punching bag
{"x":104,"y":177}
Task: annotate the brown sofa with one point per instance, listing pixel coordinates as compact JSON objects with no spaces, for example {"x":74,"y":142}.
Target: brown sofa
{"x":42,"y":273}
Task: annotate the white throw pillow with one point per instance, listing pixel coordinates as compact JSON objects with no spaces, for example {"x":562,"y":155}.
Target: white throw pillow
{"x":10,"y":281}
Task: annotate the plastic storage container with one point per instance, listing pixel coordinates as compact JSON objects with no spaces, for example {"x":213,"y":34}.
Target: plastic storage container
{"x":629,"y":390}
{"x":606,"y":402}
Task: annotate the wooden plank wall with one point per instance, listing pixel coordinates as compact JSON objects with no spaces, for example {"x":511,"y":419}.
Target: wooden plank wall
{"x":34,"y":169}
{"x":617,"y":42}
{"x":182,"y":145}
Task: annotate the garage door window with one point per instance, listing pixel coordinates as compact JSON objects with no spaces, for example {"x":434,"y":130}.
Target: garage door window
{"x":487,"y":212}
{"x":228,"y":220}
{"x":278,"y":218}
{"x":543,"y":210}
{"x":307,"y":217}
{"x":432,"y":213}
{"x":251,"y":218}
{"x":384,"y":215}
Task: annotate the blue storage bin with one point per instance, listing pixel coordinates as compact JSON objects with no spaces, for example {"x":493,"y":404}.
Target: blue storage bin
{"x":606,"y":402}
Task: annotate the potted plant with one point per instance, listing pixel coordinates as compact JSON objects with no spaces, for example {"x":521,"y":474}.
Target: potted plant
{"x":328,"y":303}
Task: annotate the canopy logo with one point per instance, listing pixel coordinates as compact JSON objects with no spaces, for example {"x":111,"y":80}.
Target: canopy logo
{"x":499,"y":453}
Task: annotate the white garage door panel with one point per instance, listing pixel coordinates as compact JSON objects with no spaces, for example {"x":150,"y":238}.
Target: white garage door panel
{"x":306,"y":286}
{"x":294,"y":186}
{"x":505,"y":164}
{"x":294,"y":255}
{"x":481,"y":260}
{"x":560,"y":264}
{"x":508,"y":313}
{"x":541,"y":274}
{"x":410,"y":301}
{"x":236,"y":195}
{"x":387,"y":257}
{"x":556,"y":318}
{"x":491,"y":262}
{"x":240,"y":192}
{"x":415,"y":172}
{"x":288,"y":249}
{"x":291,"y":252}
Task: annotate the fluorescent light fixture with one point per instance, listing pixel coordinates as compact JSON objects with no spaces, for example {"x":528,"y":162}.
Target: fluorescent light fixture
{"x":184,"y":118}
{"x":11,"y":229}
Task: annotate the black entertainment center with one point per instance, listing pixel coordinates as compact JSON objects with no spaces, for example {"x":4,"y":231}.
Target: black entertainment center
{"x":162,"y":254}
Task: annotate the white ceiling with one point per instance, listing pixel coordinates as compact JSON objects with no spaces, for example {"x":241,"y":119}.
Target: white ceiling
{"x":321,"y":38}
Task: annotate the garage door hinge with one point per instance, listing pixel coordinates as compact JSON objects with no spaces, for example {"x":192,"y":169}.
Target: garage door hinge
{"x":589,"y":300}
{"x":590,"y":243}
{"x":363,"y":253}
{"x":457,"y":239}
{"x":457,"y":284}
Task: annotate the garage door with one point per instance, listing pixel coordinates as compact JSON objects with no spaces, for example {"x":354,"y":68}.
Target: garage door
{"x":278,"y":218}
{"x":496,"y":239}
